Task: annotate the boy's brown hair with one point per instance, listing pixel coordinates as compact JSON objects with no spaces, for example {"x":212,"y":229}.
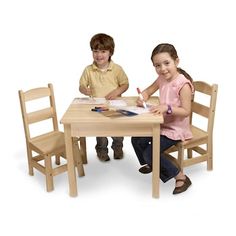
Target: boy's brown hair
{"x":102,"y":42}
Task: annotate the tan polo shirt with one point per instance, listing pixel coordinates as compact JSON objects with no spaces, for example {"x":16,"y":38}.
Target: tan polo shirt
{"x":103,"y":82}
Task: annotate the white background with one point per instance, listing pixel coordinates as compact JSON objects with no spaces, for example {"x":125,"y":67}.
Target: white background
{"x":48,"y":41}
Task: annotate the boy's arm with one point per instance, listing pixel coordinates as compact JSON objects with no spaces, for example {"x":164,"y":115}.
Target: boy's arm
{"x":84,"y":86}
{"x":85,"y":90}
{"x":117,"y":92}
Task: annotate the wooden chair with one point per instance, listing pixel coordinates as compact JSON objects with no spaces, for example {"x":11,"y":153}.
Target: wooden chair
{"x":41,"y":148}
{"x":202,"y":141}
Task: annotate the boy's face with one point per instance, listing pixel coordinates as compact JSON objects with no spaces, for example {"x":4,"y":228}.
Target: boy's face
{"x":101,"y":58}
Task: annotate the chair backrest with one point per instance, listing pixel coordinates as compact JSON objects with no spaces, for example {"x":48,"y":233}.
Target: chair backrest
{"x":38,"y":115}
{"x":205,"y":109}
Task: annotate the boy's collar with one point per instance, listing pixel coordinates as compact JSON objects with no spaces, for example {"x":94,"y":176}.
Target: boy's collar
{"x":108,"y":68}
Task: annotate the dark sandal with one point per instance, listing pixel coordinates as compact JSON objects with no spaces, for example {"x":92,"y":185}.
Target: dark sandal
{"x":187,"y":182}
{"x":145,"y":169}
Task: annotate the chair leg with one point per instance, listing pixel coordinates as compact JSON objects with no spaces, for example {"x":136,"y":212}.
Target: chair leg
{"x":48,"y":173}
{"x":209,"y":156}
{"x":190,"y":153}
{"x":83,"y":149}
{"x":30,"y":156}
{"x":181,"y":157}
{"x":78,"y":159}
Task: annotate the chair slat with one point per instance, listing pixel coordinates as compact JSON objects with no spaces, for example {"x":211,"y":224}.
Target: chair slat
{"x":200,"y":109}
{"x":36,"y":93}
{"x":203,"y":87}
{"x":40,"y":115}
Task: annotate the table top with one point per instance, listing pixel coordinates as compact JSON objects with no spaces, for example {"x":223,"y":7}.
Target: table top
{"x":82,"y":114}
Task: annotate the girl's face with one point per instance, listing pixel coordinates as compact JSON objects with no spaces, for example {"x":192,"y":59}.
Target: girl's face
{"x":165,"y":66}
{"x":101,"y":58}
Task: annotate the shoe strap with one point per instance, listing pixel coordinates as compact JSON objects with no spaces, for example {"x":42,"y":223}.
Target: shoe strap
{"x":181,"y":180}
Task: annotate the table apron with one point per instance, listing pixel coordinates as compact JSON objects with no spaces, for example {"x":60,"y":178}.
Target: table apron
{"x":105,"y":130}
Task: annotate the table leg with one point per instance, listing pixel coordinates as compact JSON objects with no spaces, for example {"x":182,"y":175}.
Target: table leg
{"x":156,"y":161}
{"x":70,"y":161}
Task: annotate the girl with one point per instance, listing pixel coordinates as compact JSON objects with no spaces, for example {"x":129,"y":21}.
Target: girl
{"x":176,"y":89}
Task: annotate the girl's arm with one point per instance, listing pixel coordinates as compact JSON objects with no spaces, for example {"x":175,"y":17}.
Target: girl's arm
{"x":184,"y":110}
{"x":185,"y":100}
{"x":148,"y":92}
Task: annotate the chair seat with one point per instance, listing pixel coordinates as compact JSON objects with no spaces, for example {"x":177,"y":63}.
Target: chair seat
{"x":50,"y":143}
{"x":199,"y":136}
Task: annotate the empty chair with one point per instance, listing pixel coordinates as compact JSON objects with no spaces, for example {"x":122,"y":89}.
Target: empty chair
{"x":200,"y":147}
{"x":42,"y":147}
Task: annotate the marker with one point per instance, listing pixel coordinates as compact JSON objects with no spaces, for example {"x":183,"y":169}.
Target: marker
{"x":100,"y":109}
{"x":141,"y":97}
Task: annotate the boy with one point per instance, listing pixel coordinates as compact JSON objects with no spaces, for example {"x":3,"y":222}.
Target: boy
{"x":106,"y":79}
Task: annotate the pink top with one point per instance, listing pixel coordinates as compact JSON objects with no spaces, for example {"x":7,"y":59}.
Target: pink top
{"x":174,"y":127}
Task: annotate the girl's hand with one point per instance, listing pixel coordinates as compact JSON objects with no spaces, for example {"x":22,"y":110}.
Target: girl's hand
{"x":159,"y":109}
{"x":139,"y":101}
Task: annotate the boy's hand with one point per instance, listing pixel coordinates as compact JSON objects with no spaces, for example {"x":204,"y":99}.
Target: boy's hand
{"x":86,"y":91}
{"x":117,"y":92}
{"x":112,"y":95}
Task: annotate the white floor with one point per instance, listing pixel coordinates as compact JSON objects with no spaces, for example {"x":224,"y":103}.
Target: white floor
{"x":115,"y":199}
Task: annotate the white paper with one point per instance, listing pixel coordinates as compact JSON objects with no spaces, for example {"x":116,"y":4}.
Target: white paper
{"x":89,"y":100}
{"x":117,"y":103}
{"x":136,"y":109}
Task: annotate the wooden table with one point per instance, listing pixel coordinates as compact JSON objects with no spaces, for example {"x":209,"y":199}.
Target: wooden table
{"x":80,"y":121}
